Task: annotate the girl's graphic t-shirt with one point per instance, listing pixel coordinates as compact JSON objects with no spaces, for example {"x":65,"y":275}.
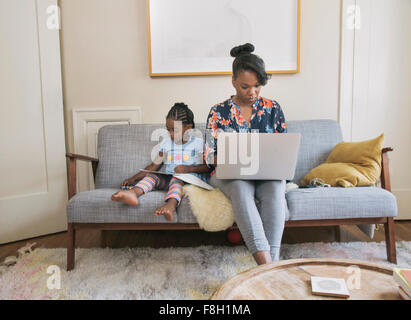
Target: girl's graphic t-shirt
{"x":189,"y":154}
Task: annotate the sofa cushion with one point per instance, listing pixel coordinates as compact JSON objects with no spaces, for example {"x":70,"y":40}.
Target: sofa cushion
{"x":184,"y":213}
{"x":340,"y":203}
{"x":318,"y":138}
{"x":96,"y":206}
{"x":125,"y":149}
{"x":122,"y":151}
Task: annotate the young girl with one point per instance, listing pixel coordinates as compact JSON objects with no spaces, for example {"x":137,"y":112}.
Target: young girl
{"x":179,"y":156}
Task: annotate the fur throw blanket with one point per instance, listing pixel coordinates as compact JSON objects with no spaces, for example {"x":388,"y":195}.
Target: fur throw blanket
{"x":212,"y":209}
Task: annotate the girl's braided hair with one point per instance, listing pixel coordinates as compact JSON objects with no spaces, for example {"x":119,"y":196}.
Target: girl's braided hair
{"x":181,"y":112}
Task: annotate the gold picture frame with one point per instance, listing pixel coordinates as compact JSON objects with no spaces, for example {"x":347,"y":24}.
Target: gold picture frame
{"x":154,"y":8}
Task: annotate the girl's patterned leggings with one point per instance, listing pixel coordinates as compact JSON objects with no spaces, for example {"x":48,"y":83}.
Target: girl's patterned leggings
{"x":162,"y":182}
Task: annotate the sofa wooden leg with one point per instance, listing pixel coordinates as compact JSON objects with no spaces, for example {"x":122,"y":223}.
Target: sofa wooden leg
{"x":103,"y":242}
{"x":337,"y":233}
{"x":71,"y":243}
{"x":390,"y":240}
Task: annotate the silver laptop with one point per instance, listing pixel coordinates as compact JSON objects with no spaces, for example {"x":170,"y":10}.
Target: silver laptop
{"x":257,"y":156}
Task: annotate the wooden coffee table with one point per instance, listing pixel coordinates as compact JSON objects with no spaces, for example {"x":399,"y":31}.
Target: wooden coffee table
{"x":291,"y":280}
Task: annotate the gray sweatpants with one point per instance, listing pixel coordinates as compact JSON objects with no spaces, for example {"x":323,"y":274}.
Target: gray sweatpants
{"x":261,"y":224}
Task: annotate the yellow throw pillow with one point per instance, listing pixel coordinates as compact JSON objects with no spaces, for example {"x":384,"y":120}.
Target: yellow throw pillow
{"x":350,"y":164}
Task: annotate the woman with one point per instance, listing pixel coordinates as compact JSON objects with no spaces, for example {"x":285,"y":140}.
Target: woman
{"x":261,"y":225}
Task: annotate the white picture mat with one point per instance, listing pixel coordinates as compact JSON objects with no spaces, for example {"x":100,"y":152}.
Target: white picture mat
{"x":195,"y":36}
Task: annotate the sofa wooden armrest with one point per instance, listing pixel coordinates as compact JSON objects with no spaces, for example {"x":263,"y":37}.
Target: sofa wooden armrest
{"x":389,"y":225}
{"x":81,"y":157}
{"x":73,"y":167}
{"x":385,"y":170}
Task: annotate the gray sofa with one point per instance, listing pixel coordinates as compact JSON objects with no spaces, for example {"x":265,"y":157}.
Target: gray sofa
{"x":124,"y":149}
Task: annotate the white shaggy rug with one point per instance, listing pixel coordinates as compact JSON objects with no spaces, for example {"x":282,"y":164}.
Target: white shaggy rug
{"x":168,"y":273}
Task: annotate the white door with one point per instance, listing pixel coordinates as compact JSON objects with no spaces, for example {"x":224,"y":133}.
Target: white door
{"x":376,"y":84}
{"x":33,"y":187}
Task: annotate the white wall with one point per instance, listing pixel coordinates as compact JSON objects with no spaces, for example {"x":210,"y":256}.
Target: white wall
{"x":105,"y":63}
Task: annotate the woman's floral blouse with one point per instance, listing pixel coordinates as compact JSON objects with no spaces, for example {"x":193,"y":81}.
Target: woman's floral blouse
{"x":266,"y":117}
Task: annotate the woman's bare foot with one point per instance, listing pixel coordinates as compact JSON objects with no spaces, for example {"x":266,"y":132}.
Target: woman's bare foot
{"x":167,"y":210}
{"x":129,"y":197}
{"x":262,"y":257}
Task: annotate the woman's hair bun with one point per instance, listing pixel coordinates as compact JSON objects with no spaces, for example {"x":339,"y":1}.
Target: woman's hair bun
{"x":243,"y":49}
{"x":180,"y":105}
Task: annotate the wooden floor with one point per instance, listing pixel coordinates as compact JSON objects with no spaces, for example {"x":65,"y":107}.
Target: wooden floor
{"x":188,"y":238}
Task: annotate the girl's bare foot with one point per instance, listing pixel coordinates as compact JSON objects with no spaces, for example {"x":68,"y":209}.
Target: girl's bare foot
{"x":126,"y":196}
{"x":167,"y":210}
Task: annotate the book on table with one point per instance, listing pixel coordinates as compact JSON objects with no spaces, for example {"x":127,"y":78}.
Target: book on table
{"x":333,"y":287}
{"x":403,"y":278}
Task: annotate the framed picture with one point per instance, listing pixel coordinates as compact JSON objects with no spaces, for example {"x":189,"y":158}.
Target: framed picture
{"x":194,"y":37}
